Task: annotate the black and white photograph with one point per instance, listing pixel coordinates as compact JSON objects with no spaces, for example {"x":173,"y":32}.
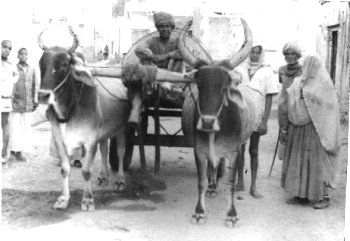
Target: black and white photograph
{"x":164,"y":120}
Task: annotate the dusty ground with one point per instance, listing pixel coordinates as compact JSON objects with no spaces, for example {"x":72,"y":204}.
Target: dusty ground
{"x":160,"y":207}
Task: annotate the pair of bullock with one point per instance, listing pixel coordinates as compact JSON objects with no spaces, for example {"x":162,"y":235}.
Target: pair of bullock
{"x":82,"y":112}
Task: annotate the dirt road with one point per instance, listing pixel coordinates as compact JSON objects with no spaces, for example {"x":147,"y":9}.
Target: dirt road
{"x":160,"y":207}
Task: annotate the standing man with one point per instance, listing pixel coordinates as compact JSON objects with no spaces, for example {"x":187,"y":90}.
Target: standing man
{"x":8,"y":76}
{"x":260,"y":77}
{"x":286,"y":75}
{"x":24,"y":102}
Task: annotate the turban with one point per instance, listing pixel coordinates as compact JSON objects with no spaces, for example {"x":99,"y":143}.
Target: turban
{"x":294,"y":46}
{"x":163,"y":17}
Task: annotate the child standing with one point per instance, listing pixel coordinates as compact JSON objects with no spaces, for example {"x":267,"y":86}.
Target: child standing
{"x":8,"y":76}
{"x":24,"y":102}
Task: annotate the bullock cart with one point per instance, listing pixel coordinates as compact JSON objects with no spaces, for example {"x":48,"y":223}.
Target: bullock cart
{"x":155,"y":107}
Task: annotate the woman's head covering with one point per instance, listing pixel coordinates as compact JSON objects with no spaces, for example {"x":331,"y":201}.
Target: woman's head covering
{"x":314,"y":69}
{"x":321,"y":101}
{"x":294,"y":46}
{"x":254,"y":66}
{"x":163,"y":17}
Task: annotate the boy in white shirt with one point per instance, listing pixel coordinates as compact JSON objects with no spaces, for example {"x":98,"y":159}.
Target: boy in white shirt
{"x":259,"y":77}
{"x":8,"y":76}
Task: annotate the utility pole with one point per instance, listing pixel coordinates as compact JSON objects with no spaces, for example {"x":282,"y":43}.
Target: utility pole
{"x":196,"y":30}
{"x":94,"y":52}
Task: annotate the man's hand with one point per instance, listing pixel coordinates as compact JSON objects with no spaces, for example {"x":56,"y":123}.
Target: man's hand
{"x":175,"y":54}
{"x":144,"y":53}
{"x":283,"y":136}
{"x":262,"y":129}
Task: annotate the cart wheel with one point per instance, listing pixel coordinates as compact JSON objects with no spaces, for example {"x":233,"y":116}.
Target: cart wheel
{"x":129,"y":148}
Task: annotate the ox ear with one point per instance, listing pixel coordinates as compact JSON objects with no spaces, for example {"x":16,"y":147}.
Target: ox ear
{"x":81,"y":72}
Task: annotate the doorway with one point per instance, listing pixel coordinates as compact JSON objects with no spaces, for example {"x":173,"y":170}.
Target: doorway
{"x":333,"y":49}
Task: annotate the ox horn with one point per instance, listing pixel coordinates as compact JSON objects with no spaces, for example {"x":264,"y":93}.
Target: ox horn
{"x":40,"y":41}
{"x":186,"y":52}
{"x":75,"y":40}
{"x":245,"y":49}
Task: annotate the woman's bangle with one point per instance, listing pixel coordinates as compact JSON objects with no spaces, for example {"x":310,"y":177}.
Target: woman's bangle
{"x":284,"y":132}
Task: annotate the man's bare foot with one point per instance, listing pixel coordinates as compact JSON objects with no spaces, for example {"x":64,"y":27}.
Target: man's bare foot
{"x":254,"y":193}
{"x":239,"y":187}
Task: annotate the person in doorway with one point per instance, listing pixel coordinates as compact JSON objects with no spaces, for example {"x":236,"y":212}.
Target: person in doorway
{"x":105,"y":56}
{"x":259,"y":76}
{"x":24,"y":102}
{"x":8,"y":76}
{"x":310,"y":126}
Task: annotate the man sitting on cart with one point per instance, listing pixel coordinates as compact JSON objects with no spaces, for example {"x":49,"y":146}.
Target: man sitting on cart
{"x":162,"y":51}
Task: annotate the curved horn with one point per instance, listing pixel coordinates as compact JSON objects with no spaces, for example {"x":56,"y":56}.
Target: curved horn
{"x":245,"y":49}
{"x":75,"y":40}
{"x":186,"y":52}
{"x":40,"y":41}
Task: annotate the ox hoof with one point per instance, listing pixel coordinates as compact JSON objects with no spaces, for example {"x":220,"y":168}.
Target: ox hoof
{"x":211,"y":193}
{"x":102,"y":181}
{"x":239,"y":187}
{"x":230,"y":222}
{"x":61,"y":203}
{"x":119,"y":186}
{"x":88,"y":204}
{"x":198,"y":218}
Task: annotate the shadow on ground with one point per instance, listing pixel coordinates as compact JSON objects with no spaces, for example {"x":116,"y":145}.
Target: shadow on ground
{"x":31,"y":208}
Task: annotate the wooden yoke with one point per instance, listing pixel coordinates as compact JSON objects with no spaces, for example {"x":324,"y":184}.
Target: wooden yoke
{"x":162,"y":75}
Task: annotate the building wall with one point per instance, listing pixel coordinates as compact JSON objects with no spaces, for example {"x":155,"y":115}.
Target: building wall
{"x":304,"y":21}
{"x":336,"y":16}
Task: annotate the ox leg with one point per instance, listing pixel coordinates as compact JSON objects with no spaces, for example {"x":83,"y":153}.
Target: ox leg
{"x":63,"y":200}
{"x":103,"y":178}
{"x":254,"y":162}
{"x":88,"y":203}
{"x":201,"y":164}
{"x":212,"y":180}
{"x":136,"y":105}
{"x":231,"y":217}
{"x":120,"y":183}
{"x":240,"y":169}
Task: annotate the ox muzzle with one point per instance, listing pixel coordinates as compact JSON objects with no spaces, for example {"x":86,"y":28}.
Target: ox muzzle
{"x":46,"y":97}
{"x":208,"y":123}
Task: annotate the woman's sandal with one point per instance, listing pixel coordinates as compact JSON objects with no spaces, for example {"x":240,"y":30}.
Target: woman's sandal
{"x":322,"y":204}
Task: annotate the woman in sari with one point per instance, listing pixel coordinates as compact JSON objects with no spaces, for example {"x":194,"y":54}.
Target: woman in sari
{"x":310,"y":126}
